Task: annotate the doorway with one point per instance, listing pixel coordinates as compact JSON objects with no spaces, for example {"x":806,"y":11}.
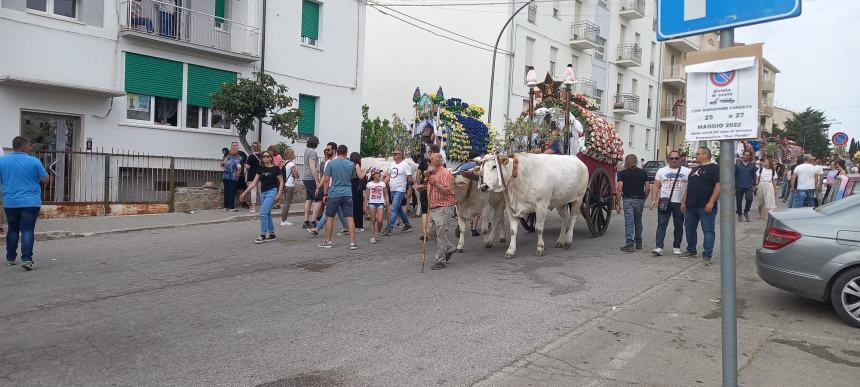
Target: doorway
{"x":54,"y":138}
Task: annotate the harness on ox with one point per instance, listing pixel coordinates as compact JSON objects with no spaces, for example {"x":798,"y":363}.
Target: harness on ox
{"x":502,"y":160}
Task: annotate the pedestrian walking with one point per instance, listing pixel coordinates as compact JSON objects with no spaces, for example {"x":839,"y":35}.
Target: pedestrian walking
{"x":2,"y":214}
{"x":699,"y":205}
{"x":397,"y":178}
{"x":252,"y":164}
{"x":329,"y":152}
{"x":21,"y":176}
{"x":766,"y":184}
{"x":277,"y":159}
{"x":632,"y":187}
{"x":232,"y":168}
{"x":271,"y":181}
{"x":376,"y":203}
{"x":291,"y":173}
{"x":670,"y":184}
{"x":745,"y":185}
{"x":357,"y":184}
{"x":310,"y":180}
{"x":807,"y":181}
{"x":440,"y":187}
{"x":338,"y":176}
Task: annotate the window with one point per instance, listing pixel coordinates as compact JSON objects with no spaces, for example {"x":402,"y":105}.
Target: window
{"x":532,"y":12}
{"x":574,"y":60}
{"x":152,"y":110}
{"x":556,"y":8}
{"x":154,"y":89}
{"x":648,"y":139}
{"x":630,"y":135}
{"x":650,"y":96}
{"x":653,"y":55}
{"x":603,"y":3}
{"x":220,"y":12}
{"x":553,"y":58}
{"x":202,"y":82}
{"x":619,"y":84}
{"x":67,"y":8}
{"x":204,"y":117}
{"x":598,"y":97}
{"x":601,"y":49}
{"x":622,"y":34}
{"x":308,"y":124}
{"x":634,"y":87}
{"x":310,"y":22}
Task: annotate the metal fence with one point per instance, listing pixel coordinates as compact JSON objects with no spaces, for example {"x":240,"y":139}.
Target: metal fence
{"x":97,"y":177}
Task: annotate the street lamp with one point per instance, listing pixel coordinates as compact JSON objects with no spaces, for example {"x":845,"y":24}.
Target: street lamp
{"x":569,"y":79}
{"x":531,"y":81}
{"x":495,"y":50}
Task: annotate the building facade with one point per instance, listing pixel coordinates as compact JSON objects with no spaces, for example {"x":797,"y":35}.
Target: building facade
{"x":136,"y":75}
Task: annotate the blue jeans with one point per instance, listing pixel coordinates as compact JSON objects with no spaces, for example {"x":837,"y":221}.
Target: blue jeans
{"x":692,"y":217}
{"x":21,"y":221}
{"x":230,"y":193}
{"x":321,"y":224}
{"x":267,"y":202}
{"x":740,"y":195}
{"x":803,"y":198}
{"x":786,"y":183}
{"x":633,"y":221}
{"x":397,"y":209}
{"x":677,"y":216}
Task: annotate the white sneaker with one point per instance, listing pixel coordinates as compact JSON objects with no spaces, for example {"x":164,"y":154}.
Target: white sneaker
{"x":359,"y":230}
{"x":657,"y":252}
{"x":286,"y":223}
{"x":343,"y":232}
{"x":676,"y":251}
{"x":372,"y":240}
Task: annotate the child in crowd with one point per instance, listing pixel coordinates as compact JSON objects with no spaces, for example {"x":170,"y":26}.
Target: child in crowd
{"x":376,"y":202}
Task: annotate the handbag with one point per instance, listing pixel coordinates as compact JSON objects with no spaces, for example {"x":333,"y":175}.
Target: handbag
{"x":663,"y":203}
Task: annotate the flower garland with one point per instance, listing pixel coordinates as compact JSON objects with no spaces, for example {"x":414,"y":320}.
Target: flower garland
{"x":602,"y":142}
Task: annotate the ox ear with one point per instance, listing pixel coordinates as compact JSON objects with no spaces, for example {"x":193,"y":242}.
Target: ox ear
{"x":503,"y":160}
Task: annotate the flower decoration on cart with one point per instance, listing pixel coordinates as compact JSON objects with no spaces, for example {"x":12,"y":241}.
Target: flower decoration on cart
{"x":459,"y":123}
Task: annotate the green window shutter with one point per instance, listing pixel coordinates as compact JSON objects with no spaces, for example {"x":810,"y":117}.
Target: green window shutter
{"x":310,"y":19}
{"x":203,"y":81}
{"x":219,"y":11}
{"x":153,"y":76}
{"x":308,"y":106}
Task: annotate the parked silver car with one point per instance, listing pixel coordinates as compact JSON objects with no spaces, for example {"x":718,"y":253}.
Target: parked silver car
{"x":815,"y":253}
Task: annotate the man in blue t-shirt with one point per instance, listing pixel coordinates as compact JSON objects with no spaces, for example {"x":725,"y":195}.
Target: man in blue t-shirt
{"x":338,"y":177}
{"x":22,"y":176}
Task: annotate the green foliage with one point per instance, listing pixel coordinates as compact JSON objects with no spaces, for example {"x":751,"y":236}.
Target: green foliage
{"x":260,"y":99}
{"x":282,"y":147}
{"x":809,"y":129}
{"x":854,"y":147}
{"x":401,"y":138}
{"x":374,"y":133}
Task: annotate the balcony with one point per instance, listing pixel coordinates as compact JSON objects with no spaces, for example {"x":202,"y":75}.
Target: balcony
{"x":583,"y":35}
{"x":675,"y":77}
{"x":629,"y":55}
{"x":767,"y":85}
{"x":632,"y":9}
{"x":626,"y":103}
{"x":585,"y":87}
{"x":188,"y":29}
{"x":674,"y":114}
{"x":765,"y":109}
{"x":690,"y":43}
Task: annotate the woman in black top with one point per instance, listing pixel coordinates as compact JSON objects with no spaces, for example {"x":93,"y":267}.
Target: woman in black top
{"x":271,"y":181}
{"x":632,"y":186}
{"x":358,"y":184}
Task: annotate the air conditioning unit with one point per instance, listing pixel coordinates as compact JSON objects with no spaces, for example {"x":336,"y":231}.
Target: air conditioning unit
{"x":309,"y":41}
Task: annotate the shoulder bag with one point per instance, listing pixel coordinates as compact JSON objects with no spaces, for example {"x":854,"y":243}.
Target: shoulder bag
{"x":663,"y":203}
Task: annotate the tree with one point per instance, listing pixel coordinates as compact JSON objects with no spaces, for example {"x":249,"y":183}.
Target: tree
{"x":809,"y":129}
{"x":854,"y":147}
{"x":262,"y":99}
{"x":376,"y":134}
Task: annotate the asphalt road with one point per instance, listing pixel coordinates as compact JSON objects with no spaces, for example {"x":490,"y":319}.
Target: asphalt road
{"x":205,"y":306}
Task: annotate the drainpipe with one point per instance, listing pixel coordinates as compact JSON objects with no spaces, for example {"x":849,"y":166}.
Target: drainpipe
{"x":262,"y":67}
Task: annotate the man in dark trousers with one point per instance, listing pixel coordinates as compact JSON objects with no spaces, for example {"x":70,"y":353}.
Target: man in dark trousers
{"x":700,"y":205}
{"x":745,"y":185}
{"x":22,"y":176}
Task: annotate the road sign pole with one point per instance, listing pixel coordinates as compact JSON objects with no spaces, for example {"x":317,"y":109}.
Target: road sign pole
{"x":727,"y":249}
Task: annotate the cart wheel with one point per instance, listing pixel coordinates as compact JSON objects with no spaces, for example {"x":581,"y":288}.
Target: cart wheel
{"x":528,"y":222}
{"x":598,"y":203}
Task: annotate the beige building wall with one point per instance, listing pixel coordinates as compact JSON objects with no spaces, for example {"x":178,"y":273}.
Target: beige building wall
{"x":780,"y":116}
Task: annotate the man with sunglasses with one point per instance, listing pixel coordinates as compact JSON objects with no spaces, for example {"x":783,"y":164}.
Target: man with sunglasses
{"x":671,"y":183}
{"x":699,"y":204}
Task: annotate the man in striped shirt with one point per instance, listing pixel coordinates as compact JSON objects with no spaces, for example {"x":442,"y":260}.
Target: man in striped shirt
{"x":442,"y":201}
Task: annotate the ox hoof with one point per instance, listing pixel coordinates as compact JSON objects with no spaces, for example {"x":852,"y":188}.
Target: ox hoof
{"x":488,"y":244}
{"x":539,"y":252}
{"x":559,"y":245}
{"x":503,"y":240}
{"x":509,"y":255}
{"x":459,"y":249}
{"x":567,"y":245}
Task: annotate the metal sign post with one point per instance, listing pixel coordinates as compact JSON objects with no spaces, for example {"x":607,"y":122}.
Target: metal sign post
{"x":727,"y":249}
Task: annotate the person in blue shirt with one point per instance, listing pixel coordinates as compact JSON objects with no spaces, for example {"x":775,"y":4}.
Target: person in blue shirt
{"x":338,"y":177}
{"x":745,"y":185}
{"x":22,"y":176}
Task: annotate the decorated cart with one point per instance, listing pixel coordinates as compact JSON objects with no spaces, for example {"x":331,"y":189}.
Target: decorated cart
{"x":583,"y":133}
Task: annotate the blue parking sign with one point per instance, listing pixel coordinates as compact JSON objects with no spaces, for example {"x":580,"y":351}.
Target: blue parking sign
{"x":679,"y":18}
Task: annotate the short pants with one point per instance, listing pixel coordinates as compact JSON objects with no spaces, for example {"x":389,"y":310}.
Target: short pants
{"x":375,"y":205}
{"x":311,"y":190}
{"x":343,"y":203}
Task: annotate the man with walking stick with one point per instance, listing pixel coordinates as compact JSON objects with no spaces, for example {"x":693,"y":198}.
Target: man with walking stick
{"x":440,"y":190}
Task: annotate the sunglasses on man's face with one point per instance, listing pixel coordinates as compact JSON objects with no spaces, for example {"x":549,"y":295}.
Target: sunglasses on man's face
{"x":674,"y":158}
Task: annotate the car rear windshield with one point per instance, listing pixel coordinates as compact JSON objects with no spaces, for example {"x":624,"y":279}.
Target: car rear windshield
{"x":851,"y":203}
{"x":653,"y":164}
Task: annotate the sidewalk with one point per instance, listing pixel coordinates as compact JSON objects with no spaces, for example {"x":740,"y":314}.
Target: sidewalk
{"x":60,"y":228}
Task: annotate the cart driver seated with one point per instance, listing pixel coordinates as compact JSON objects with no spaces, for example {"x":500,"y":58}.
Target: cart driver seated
{"x":553,"y":144}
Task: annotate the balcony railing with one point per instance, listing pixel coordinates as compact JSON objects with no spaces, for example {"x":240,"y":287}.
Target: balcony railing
{"x":632,"y":9}
{"x":767,"y":85}
{"x":674,"y":113}
{"x":629,"y":55}
{"x":674,"y":76}
{"x":585,"y":86}
{"x":583,"y":35}
{"x":167,"y":22}
{"x":626,"y":103}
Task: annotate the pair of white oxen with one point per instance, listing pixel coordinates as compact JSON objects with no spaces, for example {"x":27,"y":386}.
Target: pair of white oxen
{"x":505,"y":188}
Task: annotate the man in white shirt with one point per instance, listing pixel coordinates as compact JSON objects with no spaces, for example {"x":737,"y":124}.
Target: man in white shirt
{"x":670,"y":182}
{"x":805,"y":182}
{"x":397,"y":179}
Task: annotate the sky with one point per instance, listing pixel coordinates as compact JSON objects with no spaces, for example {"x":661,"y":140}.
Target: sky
{"x":817,"y":54}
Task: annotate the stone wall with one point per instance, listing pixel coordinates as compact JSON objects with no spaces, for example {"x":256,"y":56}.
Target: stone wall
{"x":189,"y":199}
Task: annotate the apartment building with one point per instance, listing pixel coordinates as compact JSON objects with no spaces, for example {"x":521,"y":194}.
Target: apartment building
{"x":136,"y":75}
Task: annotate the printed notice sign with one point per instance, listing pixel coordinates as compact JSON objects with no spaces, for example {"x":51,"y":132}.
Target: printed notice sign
{"x":722,"y":100}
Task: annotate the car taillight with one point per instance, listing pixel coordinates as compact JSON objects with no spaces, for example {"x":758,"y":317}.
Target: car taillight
{"x":778,"y":238}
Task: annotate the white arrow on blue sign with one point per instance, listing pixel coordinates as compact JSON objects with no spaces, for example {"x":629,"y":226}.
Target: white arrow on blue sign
{"x":679,"y":18}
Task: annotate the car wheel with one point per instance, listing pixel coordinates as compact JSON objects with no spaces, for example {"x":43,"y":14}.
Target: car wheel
{"x":845,"y":296}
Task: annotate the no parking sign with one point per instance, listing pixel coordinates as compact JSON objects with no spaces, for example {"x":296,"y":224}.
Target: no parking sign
{"x":839,"y":139}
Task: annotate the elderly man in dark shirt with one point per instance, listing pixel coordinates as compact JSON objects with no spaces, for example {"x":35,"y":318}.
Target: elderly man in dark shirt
{"x":745,"y":185}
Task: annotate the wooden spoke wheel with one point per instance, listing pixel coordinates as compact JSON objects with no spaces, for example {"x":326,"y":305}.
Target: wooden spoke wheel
{"x":598,"y":203}
{"x":528,"y":222}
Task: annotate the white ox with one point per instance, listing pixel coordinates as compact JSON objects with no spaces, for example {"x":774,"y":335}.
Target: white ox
{"x":537,"y":183}
{"x":472,"y":201}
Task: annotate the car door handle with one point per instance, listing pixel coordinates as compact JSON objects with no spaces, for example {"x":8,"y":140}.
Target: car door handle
{"x":848,"y":238}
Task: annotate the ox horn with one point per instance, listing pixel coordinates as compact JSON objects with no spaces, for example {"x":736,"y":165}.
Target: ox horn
{"x":516,"y":170}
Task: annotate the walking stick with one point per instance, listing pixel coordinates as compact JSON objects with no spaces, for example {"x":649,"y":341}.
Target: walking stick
{"x":425,"y":223}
